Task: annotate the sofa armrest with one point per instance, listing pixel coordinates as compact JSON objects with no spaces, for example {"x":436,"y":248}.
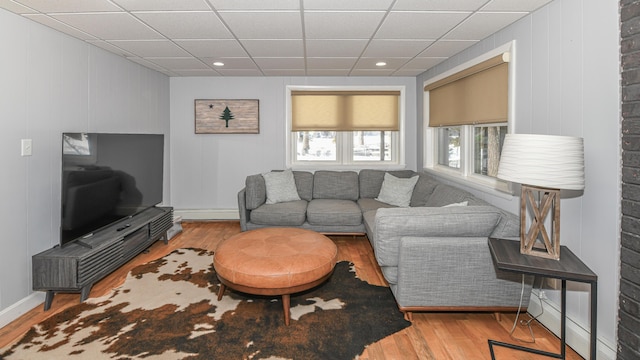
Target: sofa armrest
{"x":392,"y":224}
{"x":445,"y":271}
{"x":242,"y":209}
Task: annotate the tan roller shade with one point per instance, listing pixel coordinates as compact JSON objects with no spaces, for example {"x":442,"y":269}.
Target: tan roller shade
{"x":345,"y":110}
{"x":477,"y":95}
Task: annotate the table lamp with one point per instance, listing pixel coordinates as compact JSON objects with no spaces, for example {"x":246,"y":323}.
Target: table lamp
{"x":543,"y":164}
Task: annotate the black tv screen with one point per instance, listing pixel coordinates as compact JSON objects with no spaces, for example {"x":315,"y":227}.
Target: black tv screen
{"x":107,"y":177}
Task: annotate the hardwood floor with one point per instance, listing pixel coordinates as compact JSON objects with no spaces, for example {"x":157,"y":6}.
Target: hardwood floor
{"x":453,"y":336}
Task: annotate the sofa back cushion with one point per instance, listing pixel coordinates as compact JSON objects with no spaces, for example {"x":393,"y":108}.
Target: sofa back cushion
{"x":256,"y":190}
{"x":371,"y":181}
{"x":423,"y":190}
{"x":336,"y":185}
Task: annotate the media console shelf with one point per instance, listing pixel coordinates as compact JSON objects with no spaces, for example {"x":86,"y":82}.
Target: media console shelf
{"x":78,"y":265}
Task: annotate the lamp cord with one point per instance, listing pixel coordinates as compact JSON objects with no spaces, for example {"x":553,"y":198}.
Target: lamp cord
{"x":526,"y":323}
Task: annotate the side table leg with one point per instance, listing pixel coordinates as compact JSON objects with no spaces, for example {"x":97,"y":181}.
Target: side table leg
{"x":286,"y":303}
{"x":594,"y":319}
{"x":48,"y":299}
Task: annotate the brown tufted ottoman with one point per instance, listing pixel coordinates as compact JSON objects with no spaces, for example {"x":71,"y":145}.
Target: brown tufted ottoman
{"x":274,"y":261}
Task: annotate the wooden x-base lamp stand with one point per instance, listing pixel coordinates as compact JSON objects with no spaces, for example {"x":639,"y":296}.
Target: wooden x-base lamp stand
{"x":536,"y":240}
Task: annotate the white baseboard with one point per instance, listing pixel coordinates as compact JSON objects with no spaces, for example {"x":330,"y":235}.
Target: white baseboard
{"x":207,"y":214}
{"x":21,"y":307}
{"x":576,"y":335}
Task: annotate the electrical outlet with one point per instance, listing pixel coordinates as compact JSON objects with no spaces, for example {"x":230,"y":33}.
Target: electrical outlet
{"x":542,"y":295}
{"x":25,"y":147}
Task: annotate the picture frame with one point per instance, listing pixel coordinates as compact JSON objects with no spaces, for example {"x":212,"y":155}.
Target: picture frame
{"x":227,"y":116}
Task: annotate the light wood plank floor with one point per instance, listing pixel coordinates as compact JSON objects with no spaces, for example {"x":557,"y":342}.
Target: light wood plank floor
{"x":452,"y":336}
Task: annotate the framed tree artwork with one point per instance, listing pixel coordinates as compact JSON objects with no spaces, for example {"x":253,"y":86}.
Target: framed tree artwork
{"x":227,"y":116}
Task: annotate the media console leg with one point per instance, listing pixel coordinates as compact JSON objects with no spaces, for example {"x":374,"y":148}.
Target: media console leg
{"x":84,"y":292}
{"x":48,"y":299}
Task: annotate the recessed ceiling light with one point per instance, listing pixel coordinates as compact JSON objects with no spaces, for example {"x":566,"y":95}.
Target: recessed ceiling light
{"x":218,"y":63}
{"x":381,"y":63}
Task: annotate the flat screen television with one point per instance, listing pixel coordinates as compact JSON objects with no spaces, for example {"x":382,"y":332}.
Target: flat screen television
{"x":107,"y":177}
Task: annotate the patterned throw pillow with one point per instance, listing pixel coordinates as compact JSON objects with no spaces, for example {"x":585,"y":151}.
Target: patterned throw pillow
{"x":397,"y":191}
{"x":281,"y":187}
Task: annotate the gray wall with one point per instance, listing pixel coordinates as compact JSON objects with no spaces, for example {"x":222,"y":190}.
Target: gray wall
{"x":567,"y":83}
{"x":51,"y":83}
{"x":209,"y":169}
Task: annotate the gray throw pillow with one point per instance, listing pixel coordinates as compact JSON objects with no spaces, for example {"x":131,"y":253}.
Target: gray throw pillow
{"x":281,"y":187}
{"x":397,"y":191}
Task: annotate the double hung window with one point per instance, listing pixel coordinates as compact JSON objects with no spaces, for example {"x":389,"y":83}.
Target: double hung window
{"x":344,"y":127}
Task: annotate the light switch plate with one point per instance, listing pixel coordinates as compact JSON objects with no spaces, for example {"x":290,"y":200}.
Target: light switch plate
{"x":25,"y":149}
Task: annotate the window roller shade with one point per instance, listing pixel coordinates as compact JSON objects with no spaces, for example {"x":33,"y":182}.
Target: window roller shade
{"x":477,"y":95}
{"x":345,"y":110}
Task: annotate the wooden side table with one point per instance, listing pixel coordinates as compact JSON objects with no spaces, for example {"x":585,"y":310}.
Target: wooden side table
{"x":506,"y":256}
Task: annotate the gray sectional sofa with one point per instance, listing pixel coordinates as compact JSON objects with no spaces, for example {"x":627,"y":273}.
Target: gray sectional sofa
{"x":430,"y":243}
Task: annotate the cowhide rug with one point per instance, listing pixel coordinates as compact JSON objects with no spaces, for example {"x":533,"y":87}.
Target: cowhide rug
{"x":168,"y":309}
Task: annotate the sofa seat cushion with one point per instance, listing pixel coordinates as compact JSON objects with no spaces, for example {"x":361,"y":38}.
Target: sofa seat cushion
{"x":291,"y":213}
{"x":367,"y":205}
{"x":333,"y":212}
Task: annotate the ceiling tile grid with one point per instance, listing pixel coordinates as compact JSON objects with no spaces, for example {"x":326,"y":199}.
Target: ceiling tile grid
{"x":279,"y":37}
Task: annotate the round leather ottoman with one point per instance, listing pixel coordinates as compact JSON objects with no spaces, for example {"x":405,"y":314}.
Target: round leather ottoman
{"x":274,"y":261}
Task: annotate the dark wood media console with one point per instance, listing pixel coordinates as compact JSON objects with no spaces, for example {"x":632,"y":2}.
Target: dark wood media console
{"x":75,"y":267}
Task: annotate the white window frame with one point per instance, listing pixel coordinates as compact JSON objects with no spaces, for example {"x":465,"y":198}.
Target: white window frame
{"x":344,"y":140}
{"x":465,"y":174}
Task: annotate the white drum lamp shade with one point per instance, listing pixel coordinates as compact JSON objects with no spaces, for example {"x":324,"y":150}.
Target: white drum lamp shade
{"x":543,"y":164}
{"x":550,"y":161}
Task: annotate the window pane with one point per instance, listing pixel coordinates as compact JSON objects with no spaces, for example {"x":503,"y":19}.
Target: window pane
{"x":367,"y":145}
{"x":316,"y":146}
{"x":449,"y":147}
{"x":487,"y":146}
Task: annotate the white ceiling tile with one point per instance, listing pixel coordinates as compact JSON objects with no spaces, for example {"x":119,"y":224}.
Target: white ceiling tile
{"x":159,"y":5}
{"x":284,"y":72}
{"x":114,"y":49}
{"x":203,"y":72}
{"x":243,"y":63}
{"x":274,"y":48}
{"x":419,"y":24}
{"x":48,"y":6}
{"x":341,"y":25}
{"x":335,"y":48}
{"x":481,"y":25}
{"x":267,"y":38}
{"x":510,"y":5}
{"x":212,"y":48}
{"x":186,"y":25}
{"x":264,"y":25}
{"x":178,"y":63}
{"x":240,"y":72}
{"x":60,"y":26}
{"x":399,"y":48}
{"x":146,"y":63}
{"x":328,"y":72}
{"x":109,"y":26}
{"x":280,"y":63}
{"x":16,"y":8}
{"x":371,"y":72}
{"x":256,"y":4}
{"x":331,"y":63}
{"x":439,"y":5}
{"x":422,"y":63}
{"x":150,"y":48}
{"x":446,"y":48}
{"x":347,"y":5}
{"x":370,"y":63}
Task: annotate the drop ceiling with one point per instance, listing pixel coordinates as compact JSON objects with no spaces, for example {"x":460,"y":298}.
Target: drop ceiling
{"x":279,"y":37}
